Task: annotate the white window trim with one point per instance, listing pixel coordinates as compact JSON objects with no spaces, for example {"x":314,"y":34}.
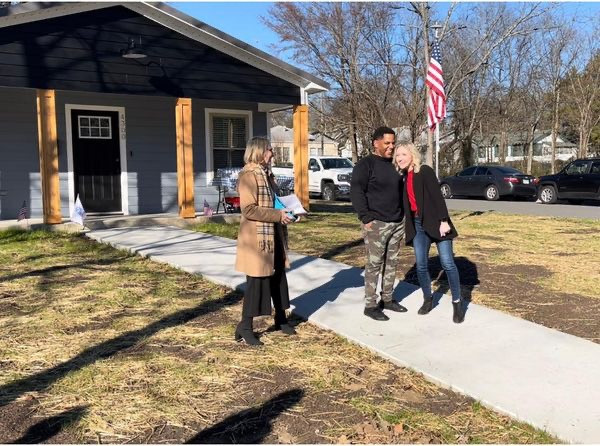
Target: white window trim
{"x":122,"y":151}
{"x":208,"y":112}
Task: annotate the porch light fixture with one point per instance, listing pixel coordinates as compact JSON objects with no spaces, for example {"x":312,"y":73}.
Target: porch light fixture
{"x":133,"y":52}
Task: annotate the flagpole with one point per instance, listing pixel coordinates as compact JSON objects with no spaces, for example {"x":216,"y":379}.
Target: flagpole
{"x":437,"y":150}
{"x":436,"y":29}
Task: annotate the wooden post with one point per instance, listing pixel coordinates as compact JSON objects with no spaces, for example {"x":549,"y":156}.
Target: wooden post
{"x":48,"y":149}
{"x":185,"y":165}
{"x":301,"y":153}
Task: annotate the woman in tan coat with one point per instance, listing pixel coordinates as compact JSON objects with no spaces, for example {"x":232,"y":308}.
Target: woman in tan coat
{"x":261,"y":243}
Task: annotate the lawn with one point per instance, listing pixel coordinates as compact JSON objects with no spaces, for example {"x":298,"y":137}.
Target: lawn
{"x":543,"y":269}
{"x":97,"y":345}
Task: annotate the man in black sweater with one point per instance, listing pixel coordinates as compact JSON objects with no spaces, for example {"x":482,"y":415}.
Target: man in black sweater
{"x":376,"y":194}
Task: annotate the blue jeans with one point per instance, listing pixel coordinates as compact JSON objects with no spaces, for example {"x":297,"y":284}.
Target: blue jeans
{"x":421,"y":244}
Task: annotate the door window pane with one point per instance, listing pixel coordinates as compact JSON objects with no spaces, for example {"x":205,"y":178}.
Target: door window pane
{"x":94,"y":127}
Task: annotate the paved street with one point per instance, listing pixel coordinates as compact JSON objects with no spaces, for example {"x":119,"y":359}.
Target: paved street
{"x":527,"y":208}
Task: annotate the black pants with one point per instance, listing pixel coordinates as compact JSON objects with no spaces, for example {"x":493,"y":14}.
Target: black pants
{"x":260,"y":290}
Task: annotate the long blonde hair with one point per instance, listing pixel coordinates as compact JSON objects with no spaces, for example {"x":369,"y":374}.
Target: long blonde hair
{"x":414,"y":152}
{"x":255,"y":149}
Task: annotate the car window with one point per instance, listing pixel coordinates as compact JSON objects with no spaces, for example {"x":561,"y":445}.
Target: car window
{"x":336,"y":163}
{"x":482,"y":171}
{"x":577,"y":168}
{"x":595,"y":167}
{"x":509,"y":171}
{"x":313,"y":164}
{"x":467,"y":171}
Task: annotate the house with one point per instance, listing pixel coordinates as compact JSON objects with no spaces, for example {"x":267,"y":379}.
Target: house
{"x":132,"y":107}
{"x":518,"y":147}
{"x":282,"y":140}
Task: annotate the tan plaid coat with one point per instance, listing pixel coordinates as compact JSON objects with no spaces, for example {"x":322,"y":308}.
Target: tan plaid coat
{"x":251,"y":260}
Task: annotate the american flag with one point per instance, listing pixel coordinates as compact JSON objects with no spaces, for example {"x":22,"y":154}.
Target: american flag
{"x":23,"y":212}
{"x":436,"y":108}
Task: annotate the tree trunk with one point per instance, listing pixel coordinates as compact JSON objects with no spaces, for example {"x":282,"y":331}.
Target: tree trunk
{"x":467,"y":151}
{"x":554,"y":131}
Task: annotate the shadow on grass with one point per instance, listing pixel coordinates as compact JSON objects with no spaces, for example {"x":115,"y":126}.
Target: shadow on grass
{"x":249,"y":426}
{"x":49,"y":427}
{"x":57,"y":268}
{"x":40,"y":381}
{"x":336,"y":250}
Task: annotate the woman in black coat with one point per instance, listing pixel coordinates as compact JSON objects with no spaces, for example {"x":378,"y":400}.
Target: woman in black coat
{"x":426,"y":222}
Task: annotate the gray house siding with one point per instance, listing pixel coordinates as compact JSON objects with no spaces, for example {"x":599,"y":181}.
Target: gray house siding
{"x":19,"y":155}
{"x":150,"y":147}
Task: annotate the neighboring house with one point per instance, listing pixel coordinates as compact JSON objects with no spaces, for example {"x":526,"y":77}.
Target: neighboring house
{"x":518,"y":147}
{"x":83,"y":112}
{"x":282,"y":140}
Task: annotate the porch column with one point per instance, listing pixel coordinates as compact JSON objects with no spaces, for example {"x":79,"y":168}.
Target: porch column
{"x":48,"y":149}
{"x":301,"y":153}
{"x":185,"y":165}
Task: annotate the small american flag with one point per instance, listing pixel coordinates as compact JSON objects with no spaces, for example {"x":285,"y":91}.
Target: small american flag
{"x":23,"y":212}
{"x":436,"y":108}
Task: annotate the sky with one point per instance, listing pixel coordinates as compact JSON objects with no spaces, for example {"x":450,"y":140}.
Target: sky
{"x":243,"y":19}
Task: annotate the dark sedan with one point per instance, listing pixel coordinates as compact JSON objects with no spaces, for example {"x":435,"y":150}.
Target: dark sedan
{"x":491,"y":182}
{"x":578,"y":181}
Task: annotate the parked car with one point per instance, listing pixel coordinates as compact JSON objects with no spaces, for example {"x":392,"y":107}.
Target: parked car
{"x":491,"y":182}
{"x":578,"y":181}
{"x":328,"y":176}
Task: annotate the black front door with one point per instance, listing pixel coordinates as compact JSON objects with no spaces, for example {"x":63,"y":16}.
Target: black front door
{"x":96,"y":159}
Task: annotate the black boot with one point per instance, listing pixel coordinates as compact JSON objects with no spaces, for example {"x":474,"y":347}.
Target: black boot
{"x":459,"y":312}
{"x":244,"y":331}
{"x":427,"y":306}
{"x":281,"y":323}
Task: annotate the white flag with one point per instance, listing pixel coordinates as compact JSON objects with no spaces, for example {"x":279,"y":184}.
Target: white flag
{"x":78,"y":214}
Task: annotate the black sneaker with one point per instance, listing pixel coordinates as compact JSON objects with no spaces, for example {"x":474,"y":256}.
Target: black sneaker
{"x":376,"y":313}
{"x":392,"y":306}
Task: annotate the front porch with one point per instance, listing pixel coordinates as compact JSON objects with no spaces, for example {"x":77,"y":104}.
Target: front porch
{"x":132,"y":136}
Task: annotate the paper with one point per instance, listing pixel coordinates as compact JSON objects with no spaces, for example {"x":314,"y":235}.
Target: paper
{"x":292,"y":203}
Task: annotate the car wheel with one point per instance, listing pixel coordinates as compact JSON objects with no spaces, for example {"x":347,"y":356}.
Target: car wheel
{"x":446,"y":191}
{"x":328,"y":192}
{"x":491,"y":193}
{"x":548,"y":194}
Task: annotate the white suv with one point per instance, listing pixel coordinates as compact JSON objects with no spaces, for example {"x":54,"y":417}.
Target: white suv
{"x":328,"y":176}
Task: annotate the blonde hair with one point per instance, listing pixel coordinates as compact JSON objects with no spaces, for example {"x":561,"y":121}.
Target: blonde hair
{"x":255,"y":149}
{"x":414,"y":152}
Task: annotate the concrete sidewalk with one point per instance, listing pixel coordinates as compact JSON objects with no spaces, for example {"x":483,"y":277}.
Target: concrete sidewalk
{"x":534,"y":374}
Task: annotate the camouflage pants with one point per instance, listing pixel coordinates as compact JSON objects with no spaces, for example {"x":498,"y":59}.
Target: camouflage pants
{"x":382,"y":242}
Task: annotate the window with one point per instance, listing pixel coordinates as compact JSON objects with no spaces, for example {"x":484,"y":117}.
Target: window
{"x":482,"y":171}
{"x":94,"y":127}
{"x":228,"y":137}
{"x":595,"y":167}
{"x":577,"y":168}
{"x":313,"y":165}
{"x":508,"y":171}
{"x":467,"y":172}
{"x":281,"y":156}
{"x":336,"y":163}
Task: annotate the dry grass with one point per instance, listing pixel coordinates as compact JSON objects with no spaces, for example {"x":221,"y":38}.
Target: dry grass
{"x":147,"y":350}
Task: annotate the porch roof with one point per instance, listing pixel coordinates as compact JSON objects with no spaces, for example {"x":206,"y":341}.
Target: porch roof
{"x":183,"y":24}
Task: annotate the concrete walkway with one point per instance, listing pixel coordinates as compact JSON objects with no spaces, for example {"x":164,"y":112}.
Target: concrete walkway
{"x":534,"y":374}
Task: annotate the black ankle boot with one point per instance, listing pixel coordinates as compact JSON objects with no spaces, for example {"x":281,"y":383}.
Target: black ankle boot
{"x":427,"y":306}
{"x":244,"y":331}
{"x":281,"y":323}
{"x":459,"y":312}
